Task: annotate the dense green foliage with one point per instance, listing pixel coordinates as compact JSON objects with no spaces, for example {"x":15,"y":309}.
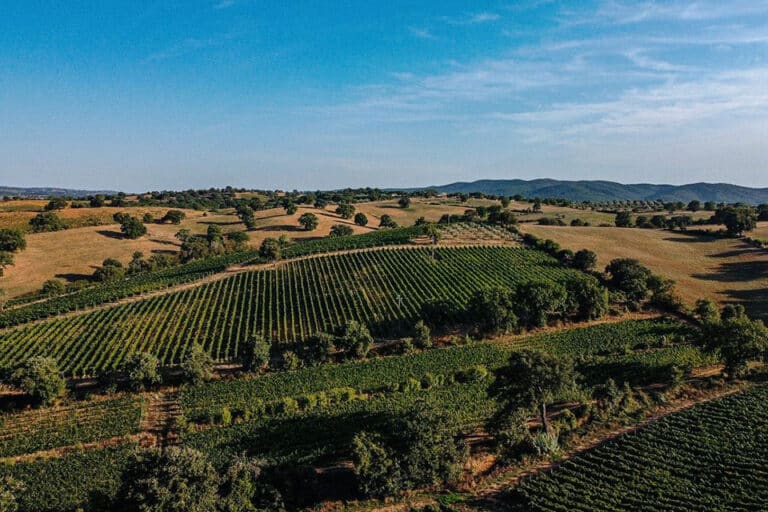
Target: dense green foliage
{"x":710,"y":457}
{"x":383,"y":289}
{"x":40,"y":378}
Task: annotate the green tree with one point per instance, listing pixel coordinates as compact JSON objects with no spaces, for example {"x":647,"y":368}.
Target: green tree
{"x":141,"y":371}
{"x":492,"y":310}
{"x":346,"y":210}
{"x":534,"y":379}
{"x":623,"y":219}
{"x":270,"y":249}
{"x":111,"y":270}
{"x":291,"y":208}
{"x":174,"y":216}
{"x":587,"y":299}
{"x":254,"y":353}
{"x":53,"y":287}
{"x":132,"y":227}
{"x":584,"y":260}
{"x":171,"y":480}
{"x":504,"y":202}
{"x":56,"y":203}
{"x":737,"y":341}
{"x":40,"y":378}
{"x":537,"y":301}
{"x":309,"y":221}
{"x":197,"y":366}
{"x":341,"y":230}
{"x":361,"y":219}
{"x":630,"y":277}
{"x":423,"y":449}
{"x":404,"y":202}
{"x":386,"y":221}
{"x":47,"y":221}
{"x":12,"y":240}
{"x":378,"y":473}
{"x":317,"y":349}
{"x":238,"y":239}
{"x":244,"y":490}
{"x":97,"y":201}
{"x":737,"y":220}
{"x":6,"y":259}
{"x":355,"y":340}
{"x":694,"y":206}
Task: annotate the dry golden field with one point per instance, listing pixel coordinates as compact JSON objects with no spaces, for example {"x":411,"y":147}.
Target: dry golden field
{"x":719,"y":268}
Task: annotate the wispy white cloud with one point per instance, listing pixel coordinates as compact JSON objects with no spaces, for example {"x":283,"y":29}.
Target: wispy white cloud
{"x":472,"y":18}
{"x":189,"y":45}
{"x":224,"y":4}
{"x":421,"y":33}
{"x":680,"y":10}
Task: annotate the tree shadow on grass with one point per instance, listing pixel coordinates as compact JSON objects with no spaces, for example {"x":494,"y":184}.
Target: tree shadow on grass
{"x":71,"y":277}
{"x":117,"y":235}
{"x":739,"y":271}
{"x":755,"y":301}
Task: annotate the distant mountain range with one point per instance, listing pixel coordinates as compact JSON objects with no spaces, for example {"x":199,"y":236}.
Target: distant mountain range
{"x":609,"y":191}
{"x":43,"y":192}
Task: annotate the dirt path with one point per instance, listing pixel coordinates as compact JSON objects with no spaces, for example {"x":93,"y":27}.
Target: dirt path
{"x":159,"y":423}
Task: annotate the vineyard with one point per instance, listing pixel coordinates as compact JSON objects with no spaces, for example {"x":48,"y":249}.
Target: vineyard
{"x":206,"y":400}
{"x":710,"y":457}
{"x":383,"y":288}
{"x":109,"y":292}
{"x":38,"y":430}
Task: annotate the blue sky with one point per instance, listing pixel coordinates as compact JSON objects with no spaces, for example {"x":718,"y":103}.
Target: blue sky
{"x":297,"y":94}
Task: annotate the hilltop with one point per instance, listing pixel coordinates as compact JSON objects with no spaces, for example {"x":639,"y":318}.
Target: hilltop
{"x":594,"y":190}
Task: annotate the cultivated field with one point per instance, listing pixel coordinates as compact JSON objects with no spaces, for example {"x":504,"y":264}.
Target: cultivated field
{"x":710,"y":457}
{"x":723,"y":269}
{"x":383,"y":288}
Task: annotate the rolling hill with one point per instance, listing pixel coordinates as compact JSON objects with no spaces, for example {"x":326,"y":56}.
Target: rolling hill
{"x":608,"y":190}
